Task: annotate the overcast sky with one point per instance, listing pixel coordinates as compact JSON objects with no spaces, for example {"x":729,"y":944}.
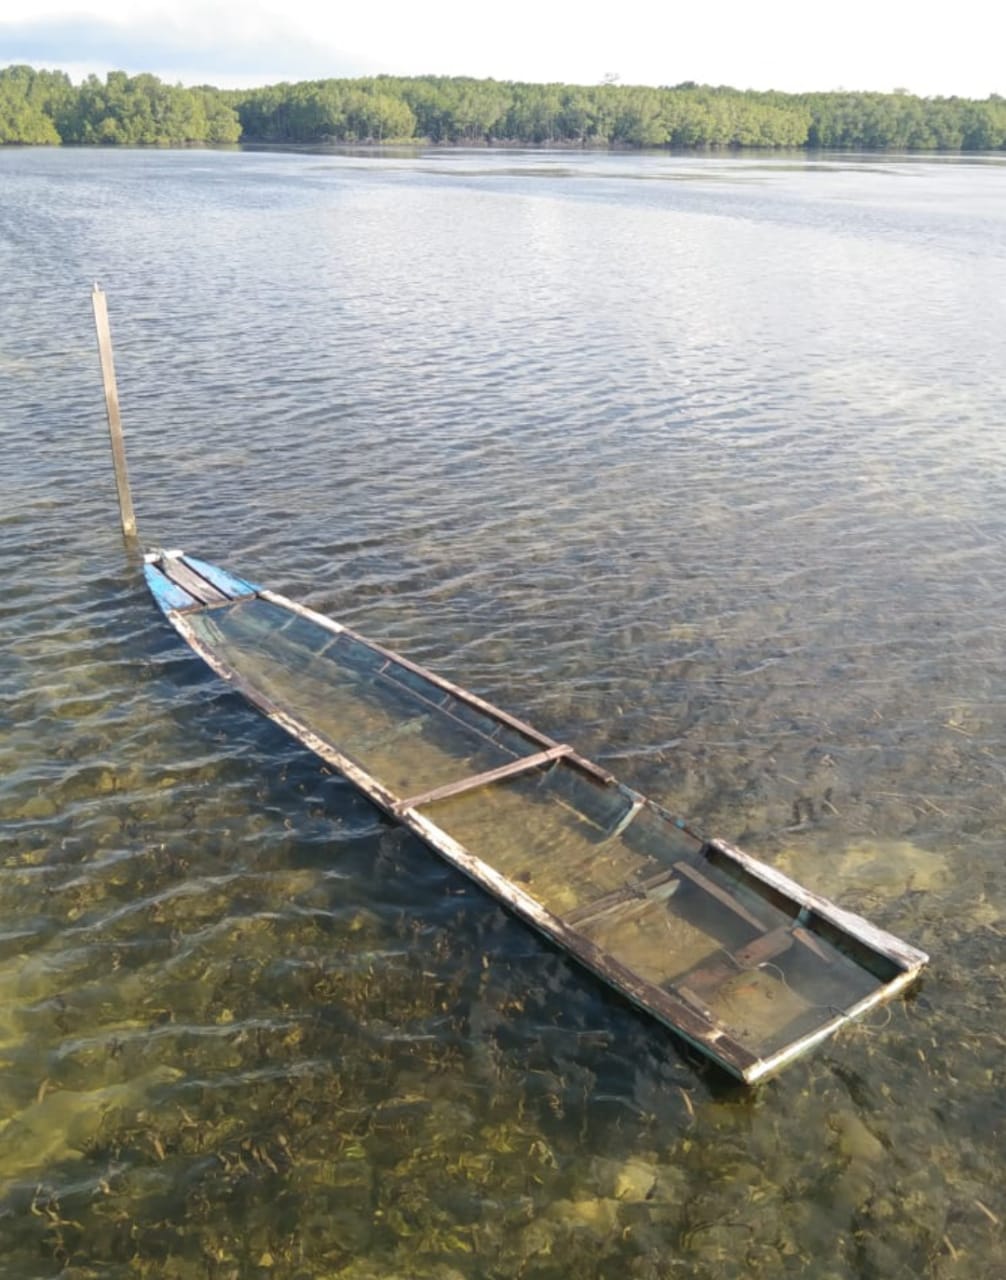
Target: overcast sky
{"x":776,"y":44}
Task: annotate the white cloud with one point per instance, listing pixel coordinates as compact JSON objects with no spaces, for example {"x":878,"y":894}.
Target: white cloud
{"x":772,"y":45}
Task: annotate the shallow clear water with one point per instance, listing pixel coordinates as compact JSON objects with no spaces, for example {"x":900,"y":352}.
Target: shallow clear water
{"x":697,"y":464}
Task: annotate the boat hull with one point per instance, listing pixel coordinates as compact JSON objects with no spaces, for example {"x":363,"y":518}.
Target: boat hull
{"x":739,"y":960}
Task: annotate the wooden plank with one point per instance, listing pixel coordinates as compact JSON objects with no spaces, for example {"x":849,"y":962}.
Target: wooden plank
{"x":707,"y":886}
{"x":511,"y":770}
{"x":165,"y":592}
{"x":636,"y":891}
{"x":767,"y":947}
{"x":127,"y":516}
{"x":704,"y":981}
{"x":196,"y":585}
{"x":200,"y":606}
{"x":906,"y":957}
{"x":233,"y":587}
{"x":807,"y":939}
{"x":638,"y":802}
{"x":693,"y":999}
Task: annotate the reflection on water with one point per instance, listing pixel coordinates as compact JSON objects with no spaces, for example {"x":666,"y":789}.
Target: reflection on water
{"x":705,"y":477}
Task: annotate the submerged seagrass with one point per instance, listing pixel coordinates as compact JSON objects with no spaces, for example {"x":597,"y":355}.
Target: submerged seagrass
{"x":739,"y":960}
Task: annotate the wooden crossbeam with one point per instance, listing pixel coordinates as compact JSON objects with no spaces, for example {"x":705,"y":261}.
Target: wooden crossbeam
{"x":480,"y":779}
{"x":767,"y":947}
{"x":706,"y":979}
{"x":708,"y":886}
{"x":701,"y":984}
{"x":635,"y":892}
{"x":194,"y":583}
{"x":807,"y":939}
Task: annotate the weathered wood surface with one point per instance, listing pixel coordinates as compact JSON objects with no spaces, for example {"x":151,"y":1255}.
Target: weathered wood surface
{"x":233,"y":587}
{"x":169,"y":596}
{"x":703,"y":982}
{"x":904,"y":956}
{"x":635,"y":893}
{"x":475,"y":780}
{"x":721,"y":895}
{"x":126,"y":514}
{"x":194,"y":583}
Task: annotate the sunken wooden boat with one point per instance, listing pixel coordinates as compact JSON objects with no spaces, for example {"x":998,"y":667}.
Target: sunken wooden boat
{"x":739,"y":960}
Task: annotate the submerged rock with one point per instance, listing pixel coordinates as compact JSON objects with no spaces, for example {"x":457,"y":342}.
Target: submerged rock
{"x":627,"y":1180}
{"x":598,"y":1214}
{"x":537,"y":1237}
{"x":635,"y":1180}
{"x":855,"y":1141}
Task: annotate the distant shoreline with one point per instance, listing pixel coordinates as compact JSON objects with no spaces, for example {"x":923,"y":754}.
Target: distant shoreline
{"x":44,"y":108}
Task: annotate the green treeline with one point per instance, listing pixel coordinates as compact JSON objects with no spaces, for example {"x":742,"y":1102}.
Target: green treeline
{"x":46,"y":107}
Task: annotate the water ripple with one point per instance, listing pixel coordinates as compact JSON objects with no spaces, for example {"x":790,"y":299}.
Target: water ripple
{"x":694,"y":462}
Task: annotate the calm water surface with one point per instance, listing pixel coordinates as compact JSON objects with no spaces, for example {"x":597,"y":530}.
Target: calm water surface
{"x":698,"y":464}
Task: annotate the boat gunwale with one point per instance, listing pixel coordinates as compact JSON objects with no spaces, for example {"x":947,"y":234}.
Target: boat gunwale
{"x":704,"y":1033}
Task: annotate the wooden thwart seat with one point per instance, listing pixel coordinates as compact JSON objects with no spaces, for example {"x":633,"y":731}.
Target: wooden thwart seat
{"x":510,"y":770}
{"x":698,"y":985}
{"x":198,"y":587}
{"x":659,"y":887}
{"x":704,"y":981}
{"x":635,"y":893}
{"x":722,"y":897}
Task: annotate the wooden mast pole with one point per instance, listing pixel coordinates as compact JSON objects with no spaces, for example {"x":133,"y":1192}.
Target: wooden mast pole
{"x":100,"y":305}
